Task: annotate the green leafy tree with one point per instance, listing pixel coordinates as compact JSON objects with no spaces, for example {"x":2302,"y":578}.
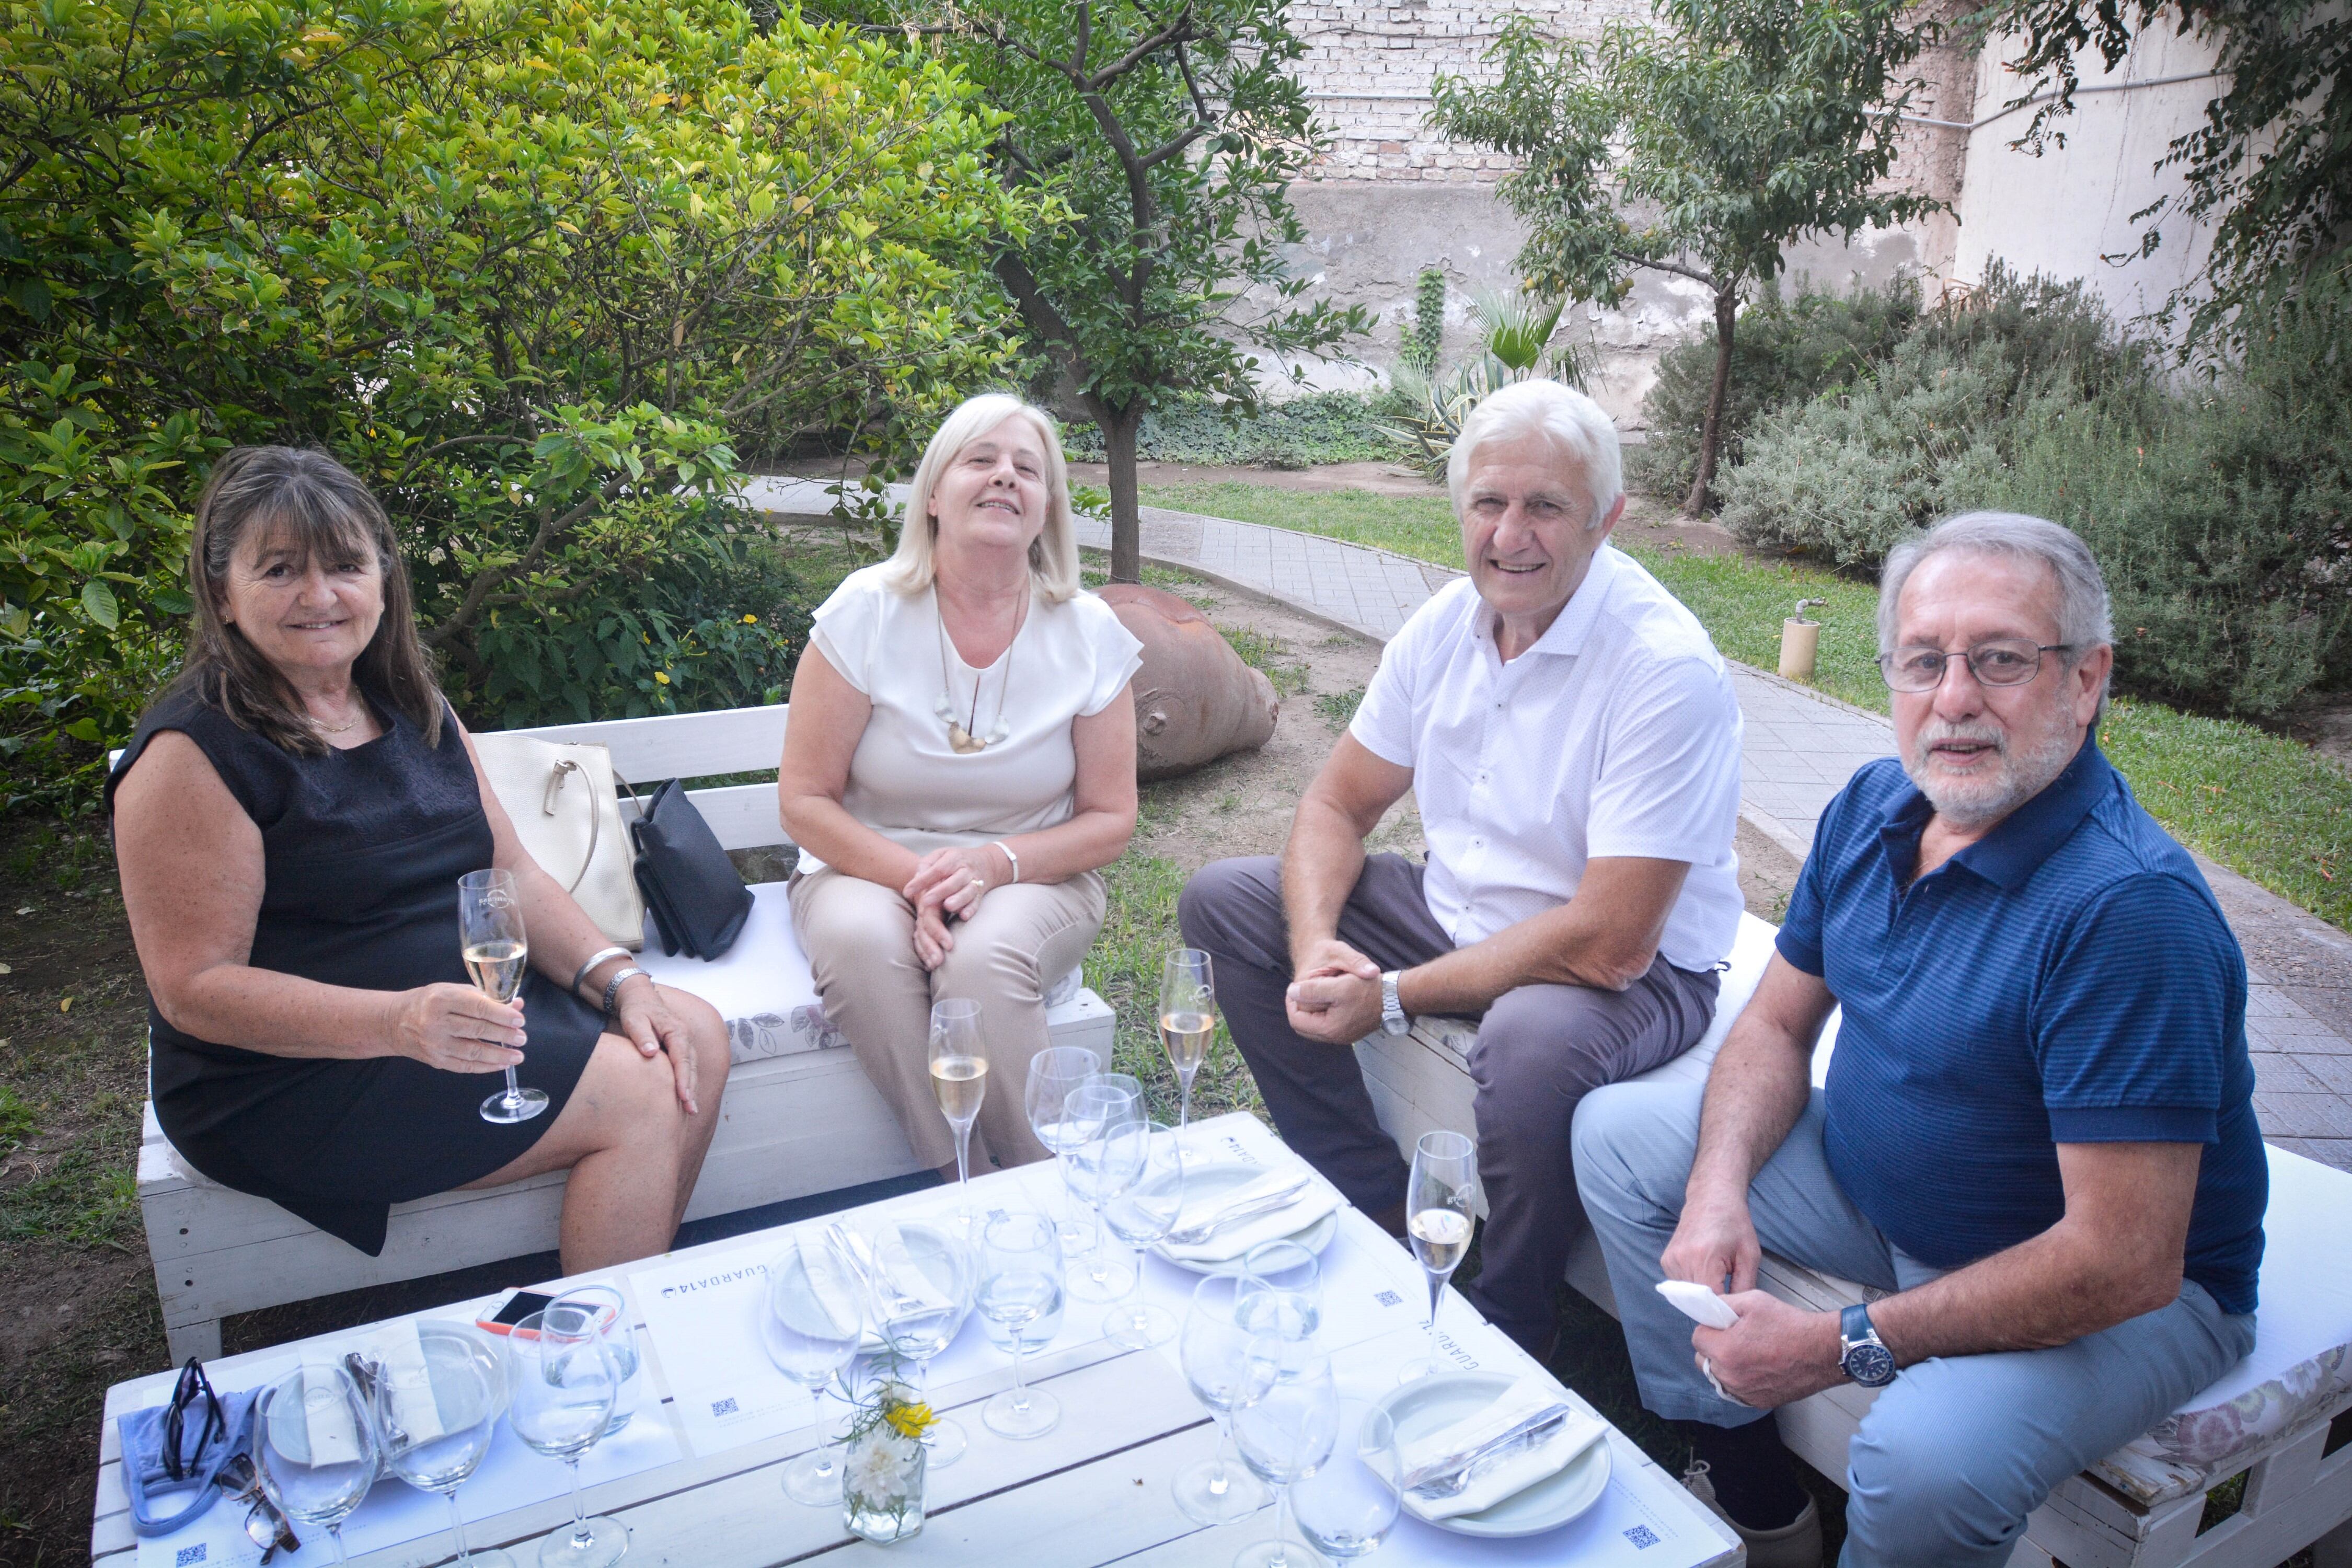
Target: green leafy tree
{"x":2269,"y":167}
{"x":1701,"y":147}
{"x":1170,"y":134}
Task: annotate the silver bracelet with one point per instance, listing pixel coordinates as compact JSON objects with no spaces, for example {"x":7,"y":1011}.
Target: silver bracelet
{"x":580,"y":977}
{"x":1009,"y":855}
{"x":613,"y":987}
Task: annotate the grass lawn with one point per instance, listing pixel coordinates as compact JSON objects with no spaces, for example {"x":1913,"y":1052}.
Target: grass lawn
{"x":2264,"y":805}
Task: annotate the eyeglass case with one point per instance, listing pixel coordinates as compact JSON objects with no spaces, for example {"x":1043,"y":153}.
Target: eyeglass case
{"x":148,"y":1480}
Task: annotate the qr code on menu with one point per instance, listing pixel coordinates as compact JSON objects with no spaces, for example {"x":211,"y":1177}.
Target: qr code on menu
{"x":188,"y":1555}
{"x":721,"y":1408}
{"x":1643,"y":1536}
{"x":1389,"y":1299}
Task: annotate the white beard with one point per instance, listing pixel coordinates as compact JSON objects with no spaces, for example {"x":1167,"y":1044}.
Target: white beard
{"x":2028,"y":767}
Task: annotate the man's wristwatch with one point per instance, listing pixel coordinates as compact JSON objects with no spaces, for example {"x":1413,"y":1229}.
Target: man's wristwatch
{"x":1866,"y":1357}
{"x":1393,"y":1018}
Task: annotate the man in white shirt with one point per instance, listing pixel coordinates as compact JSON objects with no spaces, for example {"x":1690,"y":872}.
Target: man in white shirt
{"x":1572,"y":740}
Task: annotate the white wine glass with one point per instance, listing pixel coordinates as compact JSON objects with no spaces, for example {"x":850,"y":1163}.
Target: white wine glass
{"x":1140,"y":1214}
{"x":497,"y":955}
{"x":1021,"y":1300}
{"x":462,"y":1384}
{"x":1215,"y":1352}
{"x":1285,"y":1436}
{"x":1188,"y":1019}
{"x":812,"y":1332}
{"x":1100,"y":1167}
{"x":918,"y":1329}
{"x":1053,"y":1073}
{"x":564,"y":1397}
{"x":1347,"y":1508}
{"x":1441,"y":1196}
{"x":607,"y":1312}
{"x":316,"y":1447}
{"x":959,"y":1083}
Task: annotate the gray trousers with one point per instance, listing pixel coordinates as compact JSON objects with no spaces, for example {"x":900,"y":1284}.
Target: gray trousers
{"x":1540,"y":1049}
{"x":1957,"y":1450}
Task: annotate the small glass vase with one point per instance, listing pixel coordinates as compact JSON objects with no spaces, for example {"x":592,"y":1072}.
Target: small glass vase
{"x":882,"y":1484}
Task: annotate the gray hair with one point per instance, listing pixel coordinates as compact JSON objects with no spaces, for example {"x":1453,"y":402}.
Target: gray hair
{"x":2084,"y":621}
{"x":1572,"y":422}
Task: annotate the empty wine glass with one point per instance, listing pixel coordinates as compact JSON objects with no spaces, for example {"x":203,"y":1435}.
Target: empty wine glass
{"x":497,"y":955}
{"x":564,"y":1397}
{"x":812,"y":1332}
{"x":1053,"y":1073}
{"x":1021,"y":1299}
{"x":1140,"y":1214}
{"x":917,"y":1326}
{"x":458,"y":1388}
{"x":1440,"y":1197}
{"x":959,"y":1082}
{"x":1281,"y":1290}
{"x":1099,"y":1167}
{"x":1285,"y":1436}
{"x":1347,"y":1508}
{"x":1188,"y":1019}
{"x":605,"y":1307}
{"x":1215,"y":1352}
{"x":315,"y":1444}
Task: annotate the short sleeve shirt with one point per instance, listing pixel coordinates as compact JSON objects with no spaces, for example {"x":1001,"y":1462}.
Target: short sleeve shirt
{"x":1616,"y":733}
{"x":1068,"y":662}
{"x":2066,"y":979}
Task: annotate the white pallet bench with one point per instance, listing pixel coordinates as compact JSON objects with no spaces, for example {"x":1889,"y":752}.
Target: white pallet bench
{"x":2133,"y":1509}
{"x":798,"y":1117}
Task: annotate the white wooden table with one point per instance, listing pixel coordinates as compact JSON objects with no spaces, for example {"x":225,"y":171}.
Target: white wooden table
{"x":695,"y":1477}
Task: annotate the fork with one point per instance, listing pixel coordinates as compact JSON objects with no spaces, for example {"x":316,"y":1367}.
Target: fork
{"x":1191,"y":1235}
{"x":1532,"y":1433}
{"x":860,"y":1253}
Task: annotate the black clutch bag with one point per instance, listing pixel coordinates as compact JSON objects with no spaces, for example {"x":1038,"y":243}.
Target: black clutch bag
{"x":698,"y":904}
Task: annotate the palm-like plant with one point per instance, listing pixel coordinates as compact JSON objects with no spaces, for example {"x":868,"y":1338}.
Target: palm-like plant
{"x":1515,"y":345}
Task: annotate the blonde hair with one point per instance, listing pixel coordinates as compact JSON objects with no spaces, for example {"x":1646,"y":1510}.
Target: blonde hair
{"x":1053,"y":555}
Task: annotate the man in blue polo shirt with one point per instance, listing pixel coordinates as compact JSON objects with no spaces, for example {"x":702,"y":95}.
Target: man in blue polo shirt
{"x":2038,"y":1133}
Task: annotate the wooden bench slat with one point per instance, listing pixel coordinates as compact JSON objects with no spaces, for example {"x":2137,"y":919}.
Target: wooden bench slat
{"x":683,"y":745}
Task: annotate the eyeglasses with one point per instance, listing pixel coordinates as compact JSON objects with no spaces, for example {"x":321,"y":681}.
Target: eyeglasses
{"x":265,"y":1524}
{"x":193,"y":1387}
{"x":1997,"y":661}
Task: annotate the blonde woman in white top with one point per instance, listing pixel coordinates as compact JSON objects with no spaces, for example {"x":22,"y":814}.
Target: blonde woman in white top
{"x":960,"y":764}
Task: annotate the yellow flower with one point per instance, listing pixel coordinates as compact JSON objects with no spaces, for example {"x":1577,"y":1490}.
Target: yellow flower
{"x":662,"y":676}
{"x":751,"y":620}
{"x":910,"y":1420}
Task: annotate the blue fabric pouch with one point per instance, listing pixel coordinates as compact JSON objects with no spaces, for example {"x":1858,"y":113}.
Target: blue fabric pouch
{"x":155,"y":1485}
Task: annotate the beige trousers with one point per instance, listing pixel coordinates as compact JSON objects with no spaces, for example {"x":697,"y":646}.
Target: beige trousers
{"x":860,"y":939}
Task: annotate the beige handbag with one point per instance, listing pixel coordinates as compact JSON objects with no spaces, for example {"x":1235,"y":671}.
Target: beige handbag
{"x":561,"y":799}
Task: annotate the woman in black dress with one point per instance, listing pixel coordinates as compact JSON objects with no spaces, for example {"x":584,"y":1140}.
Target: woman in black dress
{"x":290,"y":821}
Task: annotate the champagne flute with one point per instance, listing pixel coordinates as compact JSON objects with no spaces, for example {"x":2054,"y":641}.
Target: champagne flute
{"x":1347,"y":1508}
{"x":813,"y":1327}
{"x":562,"y":1403}
{"x":1053,"y":1073}
{"x":1439,"y":1196}
{"x":1141,"y":1214}
{"x":1021,"y":1294}
{"x":1214,"y":1350}
{"x":1100,"y":1165}
{"x":960,"y":1081}
{"x":497,"y":955}
{"x":462,"y":1382}
{"x":316,"y":1447}
{"x":608,"y":1312}
{"x":1285,"y":1436}
{"x":1188,"y":1019}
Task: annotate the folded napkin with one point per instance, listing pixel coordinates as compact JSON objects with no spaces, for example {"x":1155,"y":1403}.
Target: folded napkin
{"x":1222,"y":1246}
{"x":1442,"y":1451}
{"x":398,"y":1350}
{"x":832,"y":1283}
{"x":332,"y":1436}
{"x":899,"y":1266}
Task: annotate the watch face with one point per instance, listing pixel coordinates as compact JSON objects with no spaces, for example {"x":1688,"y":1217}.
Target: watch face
{"x":1871,"y":1365}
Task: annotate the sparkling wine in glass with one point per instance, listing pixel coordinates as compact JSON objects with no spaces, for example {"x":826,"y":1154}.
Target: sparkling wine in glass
{"x":959,"y":1082}
{"x":1439,"y":1196}
{"x":497,"y":955}
{"x":461,"y":1384}
{"x":1188,"y":1019}
{"x":316,"y":1447}
{"x":1053,"y":1073}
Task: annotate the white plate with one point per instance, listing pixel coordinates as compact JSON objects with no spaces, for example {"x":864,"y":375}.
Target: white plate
{"x":1214,"y":1181}
{"x":931,"y":1244}
{"x":1429,"y":1404}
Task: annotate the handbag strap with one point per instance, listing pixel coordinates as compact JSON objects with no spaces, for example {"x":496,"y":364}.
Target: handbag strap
{"x":556,"y":778}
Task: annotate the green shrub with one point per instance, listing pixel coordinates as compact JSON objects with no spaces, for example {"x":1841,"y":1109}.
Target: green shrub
{"x":1783,"y":351}
{"x":1318,"y":427}
{"x":1425,"y":339}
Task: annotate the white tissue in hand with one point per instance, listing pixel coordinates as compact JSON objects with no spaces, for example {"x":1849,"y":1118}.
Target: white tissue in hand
{"x":1698,"y":1303}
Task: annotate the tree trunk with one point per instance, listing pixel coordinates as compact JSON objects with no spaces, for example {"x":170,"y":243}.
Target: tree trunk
{"x":1710,"y":437}
{"x":1118,"y":430}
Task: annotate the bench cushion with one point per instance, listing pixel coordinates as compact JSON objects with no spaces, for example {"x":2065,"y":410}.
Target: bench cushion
{"x":763,"y":987}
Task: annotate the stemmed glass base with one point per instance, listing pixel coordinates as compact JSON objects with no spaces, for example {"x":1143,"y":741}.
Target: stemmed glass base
{"x":596,"y":1542}
{"x":1418,"y":1368}
{"x":489,"y":1557}
{"x":1101,"y":1277}
{"x":814,"y":1480}
{"x":512,"y":1104}
{"x":1277,"y":1554}
{"x":945,"y":1443}
{"x":1140,"y":1326}
{"x":1022,"y":1413}
{"x":1214,"y":1492}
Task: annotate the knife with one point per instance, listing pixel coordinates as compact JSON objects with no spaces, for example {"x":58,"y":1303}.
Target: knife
{"x":1265,"y":1202}
{"x":1454,"y":1475}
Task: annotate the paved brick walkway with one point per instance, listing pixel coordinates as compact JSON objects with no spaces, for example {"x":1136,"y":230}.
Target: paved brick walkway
{"x":1800,"y":749}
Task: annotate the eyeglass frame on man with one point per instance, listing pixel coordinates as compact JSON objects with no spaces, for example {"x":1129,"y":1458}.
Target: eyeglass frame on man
{"x":1886,"y":663}
{"x":241,"y":1478}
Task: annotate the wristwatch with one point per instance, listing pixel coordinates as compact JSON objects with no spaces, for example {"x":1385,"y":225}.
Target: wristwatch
{"x":1866,"y":1357}
{"x":1393,"y":1018}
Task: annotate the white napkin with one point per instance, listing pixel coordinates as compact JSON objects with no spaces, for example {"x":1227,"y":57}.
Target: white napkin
{"x":331,"y":1436}
{"x":1438,"y":1450}
{"x":834,"y":1289}
{"x":900,"y":1268}
{"x":1224,"y":1246}
{"x":398,"y":1349}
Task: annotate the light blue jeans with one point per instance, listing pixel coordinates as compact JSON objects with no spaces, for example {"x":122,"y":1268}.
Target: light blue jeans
{"x":1957,"y":1449}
